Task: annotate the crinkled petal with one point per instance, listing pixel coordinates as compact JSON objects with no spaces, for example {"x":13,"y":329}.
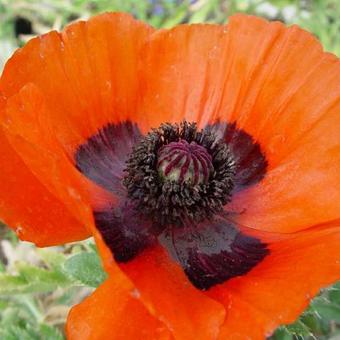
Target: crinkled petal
{"x":87,"y":74}
{"x":167,"y":293}
{"x":278,"y":290}
{"x":114,"y":312}
{"x":57,"y":91}
{"x":250,"y":73}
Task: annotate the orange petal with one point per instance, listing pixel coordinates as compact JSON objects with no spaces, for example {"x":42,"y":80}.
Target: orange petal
{"x":203,"y":69}
{"x":29,"y":208}
{"x":93,"y":67}
{"x":302,"y":191}
{"x":32,"y":137}
{"x":87,"y":74}
{"x":281,"y":98}
{"x":291,"y":108}
{"x":250,"y":71}
{"x":258,"y":80}
{"x":178,"y":74}
{"x":114,"y":312}
{"x":279,"y":289}
{"x":167,"y":293}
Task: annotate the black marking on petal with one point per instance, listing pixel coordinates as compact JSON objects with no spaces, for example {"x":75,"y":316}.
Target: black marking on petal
{"x":102,"y":158}
{"x":213,"y":252}
{"x":251,"y":163}
{"x":124,"y":231}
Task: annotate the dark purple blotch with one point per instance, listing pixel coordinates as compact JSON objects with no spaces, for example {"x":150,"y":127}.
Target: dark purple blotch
{"x":210,"y":252}
{"x":251,"y":163}
{"x":213,"y":252}
{"x":102,"y":158}
{"x":126,"y":232}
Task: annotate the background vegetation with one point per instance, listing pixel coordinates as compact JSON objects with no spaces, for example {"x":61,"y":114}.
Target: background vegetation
{"x":38,"y":286}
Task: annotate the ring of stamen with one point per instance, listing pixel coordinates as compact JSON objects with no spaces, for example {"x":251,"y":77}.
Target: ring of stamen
{"x":178,"y":174}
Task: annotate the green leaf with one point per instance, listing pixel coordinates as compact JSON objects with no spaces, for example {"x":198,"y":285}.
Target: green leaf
{"x":50,"y":333}
{"x":18,"y":330}
{"x":15,"y":333}
{"x":299,"y":329}
{"x":326,"y":309}
{"x":282,"y":333}
{"x":67,"y":298}
{"x":334,"y":295}
{"x":203,"y":12}
{"x":86,"y":268}
{"x":9,"y":316}
{"x":52,"y":259}
{"x":10,"y":285}
{"x":93,"y":247}
{"x":36,"y":274}
{"x":177,"y":17}
{"x":32,"y":279}
{"x":313,"y":322}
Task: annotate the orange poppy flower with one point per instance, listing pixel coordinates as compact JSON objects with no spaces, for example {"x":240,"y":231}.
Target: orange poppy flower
{"x":204,"y":159}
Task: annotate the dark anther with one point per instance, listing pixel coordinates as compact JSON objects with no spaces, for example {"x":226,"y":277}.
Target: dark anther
{"x":177,"y":174}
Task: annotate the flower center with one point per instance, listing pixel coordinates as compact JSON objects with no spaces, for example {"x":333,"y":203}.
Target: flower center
{"x":177,"y":174}
{"x":184,"y":162}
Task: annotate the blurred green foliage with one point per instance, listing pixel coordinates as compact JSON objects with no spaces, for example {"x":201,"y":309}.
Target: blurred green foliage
{"x":35,"y":295}
{"x":36,"y":292}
